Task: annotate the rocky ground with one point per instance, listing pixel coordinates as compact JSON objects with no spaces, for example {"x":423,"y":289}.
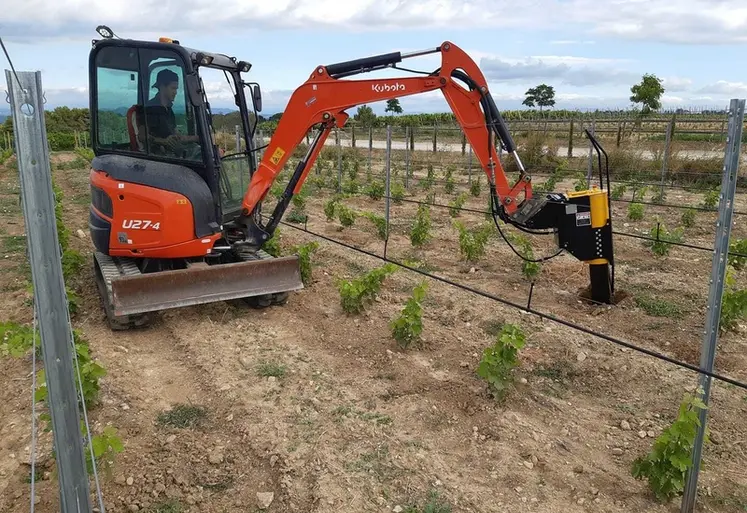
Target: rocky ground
{"x":306,"y":408}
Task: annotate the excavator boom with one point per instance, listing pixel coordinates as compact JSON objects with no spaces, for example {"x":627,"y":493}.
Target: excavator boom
{"x":323,"y":99}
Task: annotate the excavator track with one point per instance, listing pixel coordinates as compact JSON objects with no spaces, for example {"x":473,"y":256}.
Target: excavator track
{"x":106,"y":269}
{"x":265,"y":300}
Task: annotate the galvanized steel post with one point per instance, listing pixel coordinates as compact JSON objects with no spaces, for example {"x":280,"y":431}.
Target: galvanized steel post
{"x":388,"y":175}
{"x":665,"y":159}
{"x":591,"y":156}
{"x":407,"y":158}
{"x":32,"y":151}
{"x":718,"y":274}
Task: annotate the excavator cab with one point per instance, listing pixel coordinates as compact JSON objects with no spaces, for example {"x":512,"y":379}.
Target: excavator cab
{"x":162,"y":190}
{"x":144,"y":93}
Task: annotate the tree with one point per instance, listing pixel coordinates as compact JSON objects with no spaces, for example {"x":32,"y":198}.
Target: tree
{"x":648,"y":92}
{"x":543,"y":96}
{"x":365,"y":116}
{"x":393,"y":106}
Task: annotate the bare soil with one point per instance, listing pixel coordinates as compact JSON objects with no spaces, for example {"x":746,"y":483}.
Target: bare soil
{"x":328,"y":413}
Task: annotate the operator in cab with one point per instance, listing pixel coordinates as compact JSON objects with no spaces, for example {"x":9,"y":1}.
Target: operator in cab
{"x":161,"y":121}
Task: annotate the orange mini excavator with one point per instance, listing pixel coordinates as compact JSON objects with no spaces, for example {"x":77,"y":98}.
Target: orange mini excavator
{"x":175,"y":222}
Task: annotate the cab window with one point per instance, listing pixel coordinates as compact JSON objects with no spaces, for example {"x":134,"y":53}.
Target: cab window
{"x":142,"y":104}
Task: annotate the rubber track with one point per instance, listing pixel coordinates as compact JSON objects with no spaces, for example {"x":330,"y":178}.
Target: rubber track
{"x":112,"y":268}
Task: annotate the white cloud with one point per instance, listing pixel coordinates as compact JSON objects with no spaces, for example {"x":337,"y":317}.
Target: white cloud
{"x":670,"y":99}
{"x":572,"y":97}
{"x":684,"y":21}
{"x":725,"y":88}
{"x":676,"y":83}
{"x":573,"y":71}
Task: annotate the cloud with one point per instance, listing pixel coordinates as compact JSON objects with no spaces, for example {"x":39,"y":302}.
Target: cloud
{"x":725,"y":88}
{"x":684,"y":21}
{"x":573,"y":71}
{"x":676,"y":83}
{"x":667,"y":99}
{"x":66,"y":96}
{"x":138,"y":18}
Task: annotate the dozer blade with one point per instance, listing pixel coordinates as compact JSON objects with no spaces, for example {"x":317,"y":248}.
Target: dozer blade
{"x":202,"y":283}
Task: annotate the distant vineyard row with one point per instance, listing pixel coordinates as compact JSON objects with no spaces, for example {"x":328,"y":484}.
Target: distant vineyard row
{"x":69,"y":128}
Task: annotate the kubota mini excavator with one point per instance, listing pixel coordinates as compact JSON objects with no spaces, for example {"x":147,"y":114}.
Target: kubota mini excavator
{"x":175,"y":223}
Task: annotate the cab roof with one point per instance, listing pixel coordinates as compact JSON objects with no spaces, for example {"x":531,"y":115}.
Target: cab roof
{"x":197,"y":57}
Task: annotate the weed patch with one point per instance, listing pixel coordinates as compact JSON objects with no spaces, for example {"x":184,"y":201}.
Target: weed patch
{"x":432,"y":504}
{"x":657,"y":307}
{"x":267,"y":369}
{"x":183,"y":416}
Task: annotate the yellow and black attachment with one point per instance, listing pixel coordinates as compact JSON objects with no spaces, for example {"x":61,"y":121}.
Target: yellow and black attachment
{"x":587,"y":235}
{"x":582,"y":224}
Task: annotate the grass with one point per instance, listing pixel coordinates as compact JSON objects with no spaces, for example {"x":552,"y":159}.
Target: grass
{"x":76,"y":163}
{"x":38,"y":475}
{"x":267,"y":369}
{"x":183,"y":416}
{"x":376,"y":462}
{"x":344,"y":411}
{"x":492,"y":327}
{"x":558,"y":370}
{"x":220,"y":485}
{"x":14,"y":243}
{"x":10,"y":205}
{"x":170,"y":506}
{"x":657,"y":307}
{"x":432,"y":504}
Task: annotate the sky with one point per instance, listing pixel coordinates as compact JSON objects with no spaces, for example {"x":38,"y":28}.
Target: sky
{"x":590,"y":51}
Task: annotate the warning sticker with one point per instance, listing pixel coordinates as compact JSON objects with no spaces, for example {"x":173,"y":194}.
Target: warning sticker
{"x":277,"y":155}
{"x":583,"y":218}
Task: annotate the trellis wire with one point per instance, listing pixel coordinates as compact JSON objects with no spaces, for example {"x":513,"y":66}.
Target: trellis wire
{"x":438,"y":181}
{"x":508,"y":302}
{"x":540,"y":314}
{"x":614,"y":232}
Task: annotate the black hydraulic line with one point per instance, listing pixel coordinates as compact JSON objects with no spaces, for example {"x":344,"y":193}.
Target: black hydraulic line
{"x":547,"y":316}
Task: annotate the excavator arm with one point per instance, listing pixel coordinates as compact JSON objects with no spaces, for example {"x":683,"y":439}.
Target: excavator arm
{"x":323,"y":99}
{"x":325,"y":96}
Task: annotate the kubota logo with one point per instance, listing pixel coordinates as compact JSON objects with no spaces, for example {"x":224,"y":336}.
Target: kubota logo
{"x":388,"y":88}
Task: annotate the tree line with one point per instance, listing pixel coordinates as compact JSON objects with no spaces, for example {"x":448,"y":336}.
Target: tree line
{"x":63,"y":123}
